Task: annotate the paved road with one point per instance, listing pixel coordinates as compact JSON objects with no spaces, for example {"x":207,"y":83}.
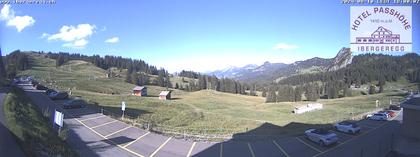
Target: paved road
{"x":8,"y":145}
{"x":94,"y":134}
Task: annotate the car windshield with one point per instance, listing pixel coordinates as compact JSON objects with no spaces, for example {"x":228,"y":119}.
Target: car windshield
{"x":321,"y":131}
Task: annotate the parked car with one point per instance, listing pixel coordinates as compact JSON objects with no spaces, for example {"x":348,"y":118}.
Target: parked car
{"x":58,"y":95}
{"x":74,"y":103}
{"x":40,"y":87}
{"x":391,"y":113}
{"x":34,"y":83}
{"x":321,"y":136}
{"x":49,"y":91}
{"x":394,"y":107}
{"x":379,"y":116}
{"x":347,"y":127}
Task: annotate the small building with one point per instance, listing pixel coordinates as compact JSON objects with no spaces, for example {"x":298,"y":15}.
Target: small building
{"x":165,"y":95}
{"x":411,"y":117}
{"x":307,"y":108}
{"x":140,"y":91}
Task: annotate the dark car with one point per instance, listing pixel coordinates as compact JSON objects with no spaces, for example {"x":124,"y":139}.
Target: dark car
{"x":34,"y":83}
{"x":74,"y":103}
{"x":394,"y":107}
{"x":49,"y":91}
{"x":40,"y":87}
{"x":58,"y":95}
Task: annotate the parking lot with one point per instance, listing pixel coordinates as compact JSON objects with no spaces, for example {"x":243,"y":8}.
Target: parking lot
{"x":137,"y":142}
{"x":144,"y":143}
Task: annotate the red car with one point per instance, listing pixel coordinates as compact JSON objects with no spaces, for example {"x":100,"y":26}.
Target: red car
{"x":391,"y":113}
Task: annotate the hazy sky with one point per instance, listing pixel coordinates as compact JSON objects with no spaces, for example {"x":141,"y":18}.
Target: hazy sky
{"x":193,"y":35}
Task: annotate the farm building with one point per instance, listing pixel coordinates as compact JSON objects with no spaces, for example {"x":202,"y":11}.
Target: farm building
{"x":307,"y":108}
{"x":165,"y":95}
{"x":411,"y":117}
{"x":140,"y":91}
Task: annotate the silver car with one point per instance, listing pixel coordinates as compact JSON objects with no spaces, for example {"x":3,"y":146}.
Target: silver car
{"x":379,"y":116}
{"x":347,"y":127}
{"x":321,"y":136}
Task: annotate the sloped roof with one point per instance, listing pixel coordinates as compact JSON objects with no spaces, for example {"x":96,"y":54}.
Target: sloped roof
{"x":412,"y":103}
{"x":138,"y":88}
{"x":164,"y":93}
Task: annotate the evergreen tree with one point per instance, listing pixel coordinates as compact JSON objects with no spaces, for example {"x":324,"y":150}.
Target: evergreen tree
{"x":271,"y":95}
{"x":176,"y":86}
{"x":264,"y":92}
{"x":372,"y":89}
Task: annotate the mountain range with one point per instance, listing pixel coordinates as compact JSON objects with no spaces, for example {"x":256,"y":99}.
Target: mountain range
{"x":277,"y":71}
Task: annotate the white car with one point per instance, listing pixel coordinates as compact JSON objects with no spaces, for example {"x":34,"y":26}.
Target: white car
{"x":379,"y":116}
{"x":347,"y":127}
{"x":321,"y":136}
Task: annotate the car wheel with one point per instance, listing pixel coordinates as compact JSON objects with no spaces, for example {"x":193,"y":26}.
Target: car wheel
{"x":321,"y":143}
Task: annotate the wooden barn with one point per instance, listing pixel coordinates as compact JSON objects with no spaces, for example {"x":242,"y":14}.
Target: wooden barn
{"x":165,"y":95}
{"x":140,"y":91}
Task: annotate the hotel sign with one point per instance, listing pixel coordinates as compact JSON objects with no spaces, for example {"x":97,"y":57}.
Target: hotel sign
{"x":380,"y":29}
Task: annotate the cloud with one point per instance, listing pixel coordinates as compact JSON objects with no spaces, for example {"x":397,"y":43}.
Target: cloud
{"x":284,"y":46}
{"x":79,"y":44}
{"x":112,"y":40}
{"x":73,"y":36}
{"x":20,"y":22}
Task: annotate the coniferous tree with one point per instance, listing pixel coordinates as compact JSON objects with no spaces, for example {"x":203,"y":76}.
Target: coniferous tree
{"x":372,"y":89}
{"x":271,"y":95}
{"x":264,"y":92}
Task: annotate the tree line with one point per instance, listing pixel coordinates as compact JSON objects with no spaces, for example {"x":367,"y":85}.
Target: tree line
{"x":105,"y":62}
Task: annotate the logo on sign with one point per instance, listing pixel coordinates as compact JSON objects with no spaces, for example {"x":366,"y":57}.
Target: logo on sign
{"x":380,"y":29}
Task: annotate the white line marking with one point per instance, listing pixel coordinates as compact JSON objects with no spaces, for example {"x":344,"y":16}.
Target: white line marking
{"x":118,"y":131}
{"x":308,"y":145}
{"x":221,"y":149}
{"x":108,"y":139}
{"x":281,"y":149}
{"x":104,"y":124}
{"x":136,"y":140}
{"x":92,"y":118}
{"x":160,"y":147}
{"x":250,"y":149}
{"x":191,"y":149}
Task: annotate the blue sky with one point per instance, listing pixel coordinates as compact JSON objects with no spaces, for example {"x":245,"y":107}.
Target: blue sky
{"x":191,"y":35}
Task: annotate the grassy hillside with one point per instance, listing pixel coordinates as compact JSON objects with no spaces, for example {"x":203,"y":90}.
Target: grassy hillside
{"x":203,"y":111}
{"x":32,"y":130}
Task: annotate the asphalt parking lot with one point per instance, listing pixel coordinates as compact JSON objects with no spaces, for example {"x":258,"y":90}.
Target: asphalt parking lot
{"x":134,"y":141}
{"x":144,"y":143}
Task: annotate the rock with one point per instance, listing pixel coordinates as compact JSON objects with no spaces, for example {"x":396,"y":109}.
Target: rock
{"x":341,"y":60}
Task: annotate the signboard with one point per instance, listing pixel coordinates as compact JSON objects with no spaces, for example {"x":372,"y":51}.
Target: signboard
{"x":123,"y":106}
{"x":381,"y":29}
{"x":58,"y":118}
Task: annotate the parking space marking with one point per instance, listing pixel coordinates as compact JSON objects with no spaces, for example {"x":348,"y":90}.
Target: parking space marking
{"x":221,"y":149}
{"x":100,"y":135}
{"x":362,"y":134}
{"x":104,"y":124}
{"x":118,"y":131}
{"x":136,"y":140}
{"x":191,"y":149}
{"x":160,"y":147}
{"x":92,"y":118}
{"x":281,"y":149}
{"x":250,"y":149}
{"x":308,"y":145}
